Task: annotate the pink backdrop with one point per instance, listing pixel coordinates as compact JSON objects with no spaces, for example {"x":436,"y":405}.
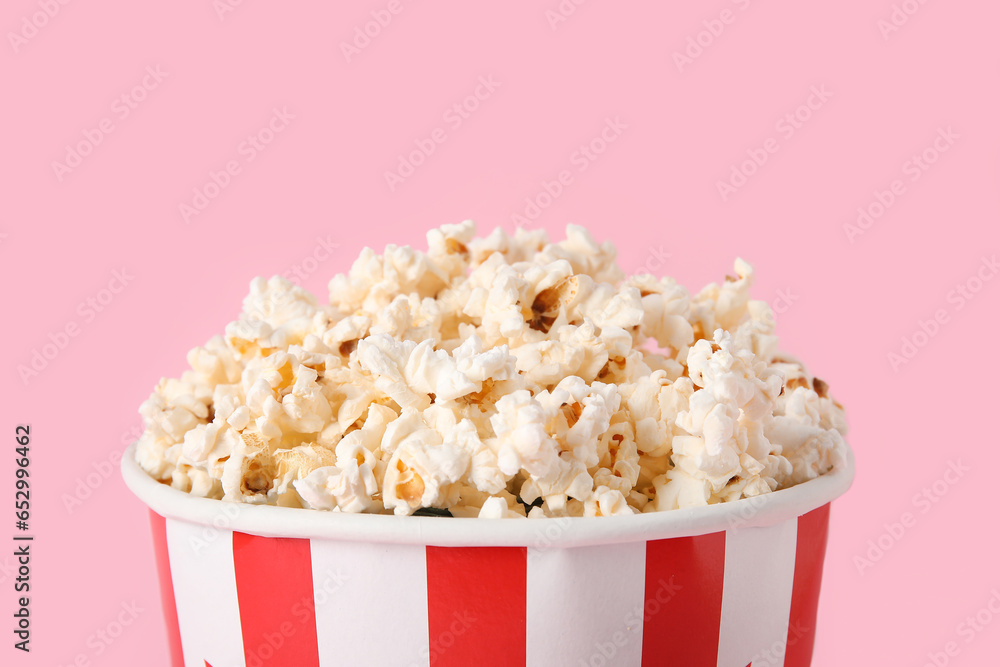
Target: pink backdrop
{"x":742,"y":128}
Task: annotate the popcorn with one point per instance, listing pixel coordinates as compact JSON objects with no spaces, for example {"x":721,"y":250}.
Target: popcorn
{"x":277,"y":313}
{"x":295,"y":464}
{"x":484,"y":471}
{"x":522,"y":441}
{"x":249,"y":473}
{"x":409,"y":318}
{"x":420,"y":471}
{"x":666,"y":308}
{"x":374,"y":280}
{"x":346,"y":489}
{"x":724,"y":441}
{"x":414,"y":374}
{"x":585,"y":255}
{"x":607,"y":502}
{"x":496,"y":377}
{"x":810,"y":448}
{"x":494,"y":508}
{"x":448,"y":247}
{"x":725,"y":306}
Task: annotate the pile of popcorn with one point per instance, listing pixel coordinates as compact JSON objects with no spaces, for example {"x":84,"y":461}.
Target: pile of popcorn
{"x":502,"y":376}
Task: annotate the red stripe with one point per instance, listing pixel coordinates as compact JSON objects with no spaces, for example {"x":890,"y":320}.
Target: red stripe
{"x":159,"y":525}
{"x":810,"y":548}
{"x":275,"y":591}
{"x":476,"y":605}
{"x":683,"y":606}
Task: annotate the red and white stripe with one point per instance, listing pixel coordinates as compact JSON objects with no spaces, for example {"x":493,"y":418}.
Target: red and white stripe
{"x":743,"y":597}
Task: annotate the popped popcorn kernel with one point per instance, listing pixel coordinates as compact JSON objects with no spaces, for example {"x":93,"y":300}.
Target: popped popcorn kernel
{"x":502,"y":376}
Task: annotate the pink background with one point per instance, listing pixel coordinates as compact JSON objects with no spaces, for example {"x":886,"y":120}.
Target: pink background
{"x":653,"y":191}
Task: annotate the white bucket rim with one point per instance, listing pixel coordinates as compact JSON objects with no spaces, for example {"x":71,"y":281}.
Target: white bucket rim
{"x":291,"y":522}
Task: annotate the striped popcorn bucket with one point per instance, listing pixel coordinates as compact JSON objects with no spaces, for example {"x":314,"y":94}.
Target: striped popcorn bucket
{"x":728,"y":585}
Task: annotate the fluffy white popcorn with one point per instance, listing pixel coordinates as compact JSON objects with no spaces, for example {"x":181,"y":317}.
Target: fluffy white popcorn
{"x":582,"y":412}
{"x":724,"y":422}
{"x":522,"y":247}
{"x":408,"y":317}
{"x":666,"y":310}
{"x":208,"y":446}
{"x":585,"y":255}
{"x":248,"y":475}
{"x":494,"y":508}
{"x":375,"y":280}
{"x":725,"y":306}
{"x":522,"y":441}
{"x":195,"y":481}
{"x":810,"y":447}
{"x":484,"y":468}
{"x":414,"y":374}
{"x":501,"y":376}
{"x":295,"y":464}
{"x":420,"y":472}
{"x":448,"y":247}
{"x":347,"y":489}
{"x":277,"y":313}
{"x":350,"y":393}
{"x":607,"y":502}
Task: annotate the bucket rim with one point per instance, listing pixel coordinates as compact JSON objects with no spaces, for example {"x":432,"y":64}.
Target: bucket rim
{"x":291,"y":522}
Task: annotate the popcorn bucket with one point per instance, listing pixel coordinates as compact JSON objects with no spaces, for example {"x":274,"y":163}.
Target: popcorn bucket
{"x":732,"y":584}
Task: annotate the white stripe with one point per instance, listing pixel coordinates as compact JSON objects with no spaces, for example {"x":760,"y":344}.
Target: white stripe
{"x":757,"y":595}
{"x":366,"y":590}
{"x":585,"y":605}
{"x":201,"y":564}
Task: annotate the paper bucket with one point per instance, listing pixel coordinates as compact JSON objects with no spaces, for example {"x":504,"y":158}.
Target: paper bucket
{"x":727,"y":585}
